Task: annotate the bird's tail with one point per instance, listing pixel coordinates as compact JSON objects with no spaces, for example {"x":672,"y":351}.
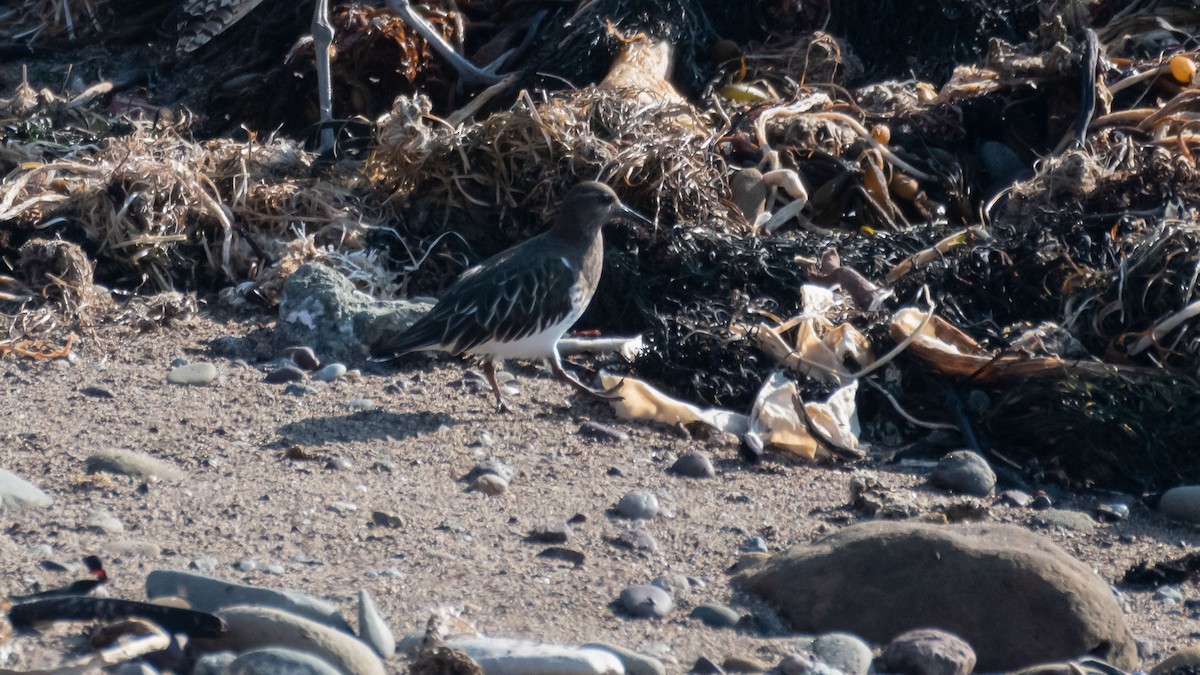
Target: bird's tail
{"x":391,"y":345}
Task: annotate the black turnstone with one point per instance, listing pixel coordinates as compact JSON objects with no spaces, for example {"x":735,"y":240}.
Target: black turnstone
{"x":519,"y":303}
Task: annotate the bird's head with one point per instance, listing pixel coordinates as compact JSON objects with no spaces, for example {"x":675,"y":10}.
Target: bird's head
{"x":590,"y":205}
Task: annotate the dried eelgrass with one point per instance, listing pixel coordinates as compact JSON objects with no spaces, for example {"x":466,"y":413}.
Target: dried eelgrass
{"x":26,"y":22}
{"x":787,"y":64}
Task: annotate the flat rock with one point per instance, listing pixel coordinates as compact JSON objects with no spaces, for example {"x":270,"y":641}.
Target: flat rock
{"x":645,"y":601}
{"x":1030,"y":601}
{"x":848,"y":653}
{"x":280,"y":661}
{"x":134,"y":464}
{"x":964,"y":472}
{"x":926,"y":651}
{"x":193,"y":374}
{"x":715,"y":615}
{"x":372,"y":627}
{"x":1181,"y":503}
{"x":638,"y":505}
{"x":284,"y":374}
{"x":18,"y":493}
{"x":207,"y":594}
{"x":330,"y":373}
{"x":254,"y":626}
{"x":1075,"y":521}
{"x":635,"y":663}
{"x":504,"y":656}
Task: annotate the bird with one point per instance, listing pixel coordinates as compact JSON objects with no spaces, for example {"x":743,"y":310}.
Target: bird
{"x":520,"y":302}
{"x":80,"y":587}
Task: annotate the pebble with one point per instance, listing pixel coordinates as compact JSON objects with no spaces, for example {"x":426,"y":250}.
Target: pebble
{"x":294,"y":389}
{"x":105,"y":523}
{"x":372,"y":627}
{"x":844,"y":651}
{"x":1112,"y":512}
{"x":329,"y":373}
{"x":715,"y":615}
{"x":755,"y":545}
{"x":695,"y":464}
{"x":1041,"y":502}
{"x":303,"y":357}
{"x":964,"y":472}
{"x":280,"y":661}
{"x":603,"y":432}
{"x":1075,"y":521}
{"x":179,"y":362}
{"x":928,"y":651}
{"x":1181,"y":503}
{"x":795,"y":664}
{"x":284,"y":374}
{"x":490,"y":484}
{"x":193,"y":374}
{"x":703,"y":666}
{"x":576,"y":558}
{"x":18,"y":493}
{"x":1015,"y":498}
{"x":645,"y":601}
{"x":1168,"y":594}
{"x":637,"y":539}
{"x":137,"y":667}
{"x":677,"y":585}
{"x":638,"y":505}
{"x":205,"y":564}
{"x":635,"y":663}
{"x":134,"y":464}
{"x":97,"y":391}
{"x":551,"y":533}
{"x":360,"y":404}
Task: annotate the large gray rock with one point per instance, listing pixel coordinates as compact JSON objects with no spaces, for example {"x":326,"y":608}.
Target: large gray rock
{"x":1015,"y":597}
{"x":18,"y":493}
{"x":321,"y":308}
{"x":250,"y":627}
{"x":1181,"y":503}
{"x":206,"y":594}
{"x":280,"y":661}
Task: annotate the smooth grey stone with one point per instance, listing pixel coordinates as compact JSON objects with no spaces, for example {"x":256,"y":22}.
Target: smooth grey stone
{"x":1112,"y":512}
{"x":372,"y":627}
{"x":1016,"y":498}
{"x":193,"y":374}
{"x":638,"y":505}
{"x":635,"y":663}
{"x":964,"y":472}
{"x":280,"y":661}
{"x":207,"y":594}
{"x":1169,"y":594}
{"x":361,"y":403}
{"x":551,"y":533}
{"x":930,"y":652}
{"x":637,"y":539}
{"x":303,"y":357}
{"x":1070,"y":520}
{"x":1031,"y":601}
{"x":844,"y":651}
{"x":715,"y":615}
{"x":1181,"y":503}
{"x":695,"y":464}
{"x":603,"y":432}
{"x":214,"y":663}
{"x":204,"y":564}
{"x":755,"y":544}
{"x":134,"y":464}
{"x":284,"y":374}
{"x":489,"y":484}
{"x":252,"y":627}
{"x":645,"y":601}
{"x":179,"y":362}
{"x":295,"y":389}
{"x":138,"y":667}
{"x":18,"y":493}
{"x":105,"y":523}
{"x":329,"y":373}
{"x":677,"y":585}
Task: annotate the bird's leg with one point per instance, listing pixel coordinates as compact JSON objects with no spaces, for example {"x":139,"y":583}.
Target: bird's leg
{"x":468,"y":72}
{"x":489,"y":371}
{"x":609,"y":394}
{"x":322,"y":32}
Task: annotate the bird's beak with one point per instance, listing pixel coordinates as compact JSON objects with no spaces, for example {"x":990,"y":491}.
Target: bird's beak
{"x":633,"y":215}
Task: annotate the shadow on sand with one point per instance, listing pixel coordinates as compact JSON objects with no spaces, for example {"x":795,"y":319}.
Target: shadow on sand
{"x":364,"y":425}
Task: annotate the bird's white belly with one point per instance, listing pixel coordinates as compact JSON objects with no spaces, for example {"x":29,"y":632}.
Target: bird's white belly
{"x":529,"y":348}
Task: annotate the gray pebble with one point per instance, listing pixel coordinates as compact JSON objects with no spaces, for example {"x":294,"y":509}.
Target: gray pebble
{"x":214,"y":663}
{"x":97,"y":391}
{"x":638,"y":505}
{"x":284,"y":374}
{"x":695,"y":464}
{"x":304,"y":357}
{"x":105,"y":523}
{"x":715,"y":615}
{"x":755,"y":545}
{"x":280,"y":661}
{"x":1015,"y":498}
{"x":372,"y":627}
{"x":329,"y":373}
{"x":551,"y":533}
{"x":1112,"y":512}
{"x":179,"y":362}
{"x":247,"y":565}
{"x":645,"y":601}
{"x":193,"y":374}
{"x":490,"y":465}
{"x":294,"y":389}
{"x":844,"y":651}
{"x":930,"y":652}
{"x":677,"y":585}
{"x":602,"y":432}
{"x":18,"y":493}
{"x":964,"y":472}
{"x":205,"y":564}
{"x":1181,"y":503}
{"x":1168,"y":594}
{"x":360,"y":404}
{"x":490,"y":484}
{"x":136,"y":667}
{"x":1069,"y":520}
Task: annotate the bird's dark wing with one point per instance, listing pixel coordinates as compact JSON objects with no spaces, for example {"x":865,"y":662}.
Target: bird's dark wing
{"x":507,"y":298}
{"x":203,"y":20}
